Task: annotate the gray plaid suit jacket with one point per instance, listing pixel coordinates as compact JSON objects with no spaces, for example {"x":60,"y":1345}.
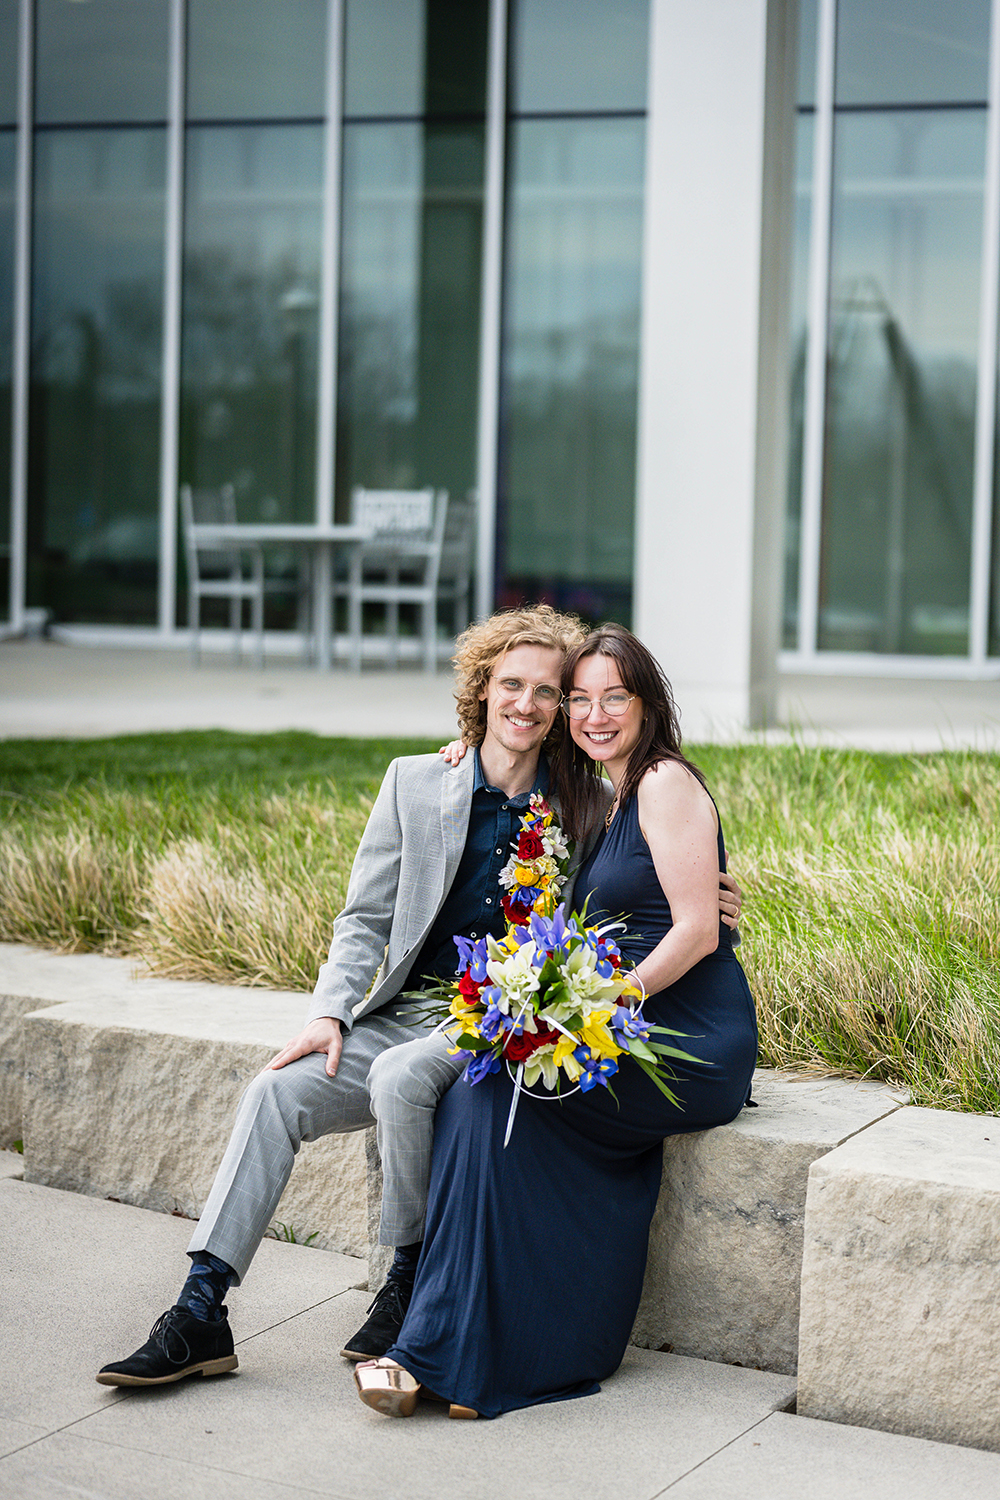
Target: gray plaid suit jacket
{"x":404,"y":867}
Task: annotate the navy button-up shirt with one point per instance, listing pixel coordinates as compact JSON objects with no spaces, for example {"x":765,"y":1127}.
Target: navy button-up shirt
{"x":472,"y":906}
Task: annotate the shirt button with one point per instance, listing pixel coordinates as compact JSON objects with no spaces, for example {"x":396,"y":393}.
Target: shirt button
{"x":474,"y":934}
{"x":489,"y":900}
{"x":499,"y":851}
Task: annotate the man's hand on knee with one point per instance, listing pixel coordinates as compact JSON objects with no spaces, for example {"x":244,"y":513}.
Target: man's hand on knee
{"x":322,"y":1035}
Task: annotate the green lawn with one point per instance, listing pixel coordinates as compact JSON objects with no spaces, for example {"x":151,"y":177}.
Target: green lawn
{"x":871,"y":936}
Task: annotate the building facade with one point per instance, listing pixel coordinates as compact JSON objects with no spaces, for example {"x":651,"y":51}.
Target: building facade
{"x":699,"y":301}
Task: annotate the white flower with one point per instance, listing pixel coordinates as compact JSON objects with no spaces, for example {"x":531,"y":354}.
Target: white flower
{"x":515,"y":976}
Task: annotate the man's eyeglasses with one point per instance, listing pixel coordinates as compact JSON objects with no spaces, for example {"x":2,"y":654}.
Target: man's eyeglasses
{"x":577,"y":706}
{"x":544,"y":695}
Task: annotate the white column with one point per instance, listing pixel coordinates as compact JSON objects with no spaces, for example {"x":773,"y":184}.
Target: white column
{"x":714,"y":380}
{"x":173,"y":256}
{"x":490,"y":316}
{"x":22,"y":319}
{"x":326,"y":424}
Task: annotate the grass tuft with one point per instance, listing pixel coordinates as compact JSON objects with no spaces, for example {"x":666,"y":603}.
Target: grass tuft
{"x":871,"y":936}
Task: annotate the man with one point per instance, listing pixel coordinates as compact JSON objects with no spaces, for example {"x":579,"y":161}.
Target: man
{"x":427,"y":867}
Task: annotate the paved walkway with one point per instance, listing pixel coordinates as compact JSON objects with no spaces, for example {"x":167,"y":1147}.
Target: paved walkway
{"x":84,"y":1279}
{"x":48,"y":688}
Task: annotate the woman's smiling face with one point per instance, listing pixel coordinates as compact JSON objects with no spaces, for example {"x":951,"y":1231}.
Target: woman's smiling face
{"x":605,"y":737}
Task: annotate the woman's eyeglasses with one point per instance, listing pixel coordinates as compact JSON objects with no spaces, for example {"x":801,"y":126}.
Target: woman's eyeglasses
{"x":576,"y":706}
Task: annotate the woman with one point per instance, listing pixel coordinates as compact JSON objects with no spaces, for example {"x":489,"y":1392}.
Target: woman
{"x":533,"y":1260}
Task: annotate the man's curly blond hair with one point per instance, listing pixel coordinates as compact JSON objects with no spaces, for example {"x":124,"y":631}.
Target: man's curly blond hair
{"x":479,"y":648}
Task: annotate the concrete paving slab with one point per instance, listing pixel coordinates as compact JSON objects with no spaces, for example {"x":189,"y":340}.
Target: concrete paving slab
{"x":790,"y":1457}
{"x":51,"y":690}
{"x":66,"y":1465}
{"x":11,"y":1165}
{"x":292,"y":1414}
{"x":15,"y":1435}
{"x":84,"y":1280}
{"x":57,"y":688}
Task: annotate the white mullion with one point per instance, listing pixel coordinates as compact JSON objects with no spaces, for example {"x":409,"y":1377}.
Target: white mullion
{"x":817,"y":332}
{"x":21,"y":352}
{"x":986,"y":393}
{"x":173,"y":253}
{"x":491,"y":309}
{"x":326,"y":416}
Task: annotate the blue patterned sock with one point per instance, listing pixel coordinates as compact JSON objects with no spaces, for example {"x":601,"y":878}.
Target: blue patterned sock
{"x":204,"y":1291}
{"x":404,"y":1262}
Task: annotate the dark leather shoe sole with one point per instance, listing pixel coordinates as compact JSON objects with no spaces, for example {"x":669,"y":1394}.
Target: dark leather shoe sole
{"x":204,"y":1367}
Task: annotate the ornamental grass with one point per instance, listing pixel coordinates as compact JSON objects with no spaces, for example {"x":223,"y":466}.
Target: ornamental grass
{"x":871,"y":934}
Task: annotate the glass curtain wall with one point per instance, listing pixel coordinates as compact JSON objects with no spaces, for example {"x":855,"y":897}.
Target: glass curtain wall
{"x":8,"y":163}
{"x":411,"y":245}
{"x":904,"y":326}
{"x":256,"y":100}
{"x":97,"y":291}
{"x":574,"y":210}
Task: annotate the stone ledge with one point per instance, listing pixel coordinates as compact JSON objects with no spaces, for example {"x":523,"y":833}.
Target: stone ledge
{"x":130,"y":1086}
{"x":900,"y":1325}
{"x":725,"y":1249}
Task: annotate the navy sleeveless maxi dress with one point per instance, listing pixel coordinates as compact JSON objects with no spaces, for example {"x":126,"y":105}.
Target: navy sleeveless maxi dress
{"x":533,"y":1260}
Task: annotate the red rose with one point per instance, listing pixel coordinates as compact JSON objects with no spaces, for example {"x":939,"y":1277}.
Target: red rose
{"x":530,"y":846}
{"x":468,"y":987}
{"x":520,"y":1048}
{"x":514,"y":912}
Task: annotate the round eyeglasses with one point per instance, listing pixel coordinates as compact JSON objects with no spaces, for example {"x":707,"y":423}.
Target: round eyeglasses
{"x":577,"y":706}
{"x":544,"y":695}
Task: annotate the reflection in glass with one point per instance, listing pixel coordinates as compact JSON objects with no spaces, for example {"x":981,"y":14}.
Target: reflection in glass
{"x":571,"y":323}
{"x":907,"y":229}
{"x":912,"y":51}
{"x":269,"y":63}
{"x":7,"y":179}
{"x":95,"y":381}
{"x":251,"y":312}
{"x":808,"y":44}
{"x":409,"y":348}
{"x":101,"y":62}
{"x":414,"y":57}
{"x":583,"y":55}
{"x":9,"y":33}
{"x":798,"y":334}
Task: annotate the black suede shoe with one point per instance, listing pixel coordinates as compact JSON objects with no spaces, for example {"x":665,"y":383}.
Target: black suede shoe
{"x":178,"y":1345}
{"x":386,"y":1319}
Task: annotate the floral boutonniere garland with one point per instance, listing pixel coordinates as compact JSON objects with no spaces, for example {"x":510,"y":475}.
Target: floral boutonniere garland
{"x":551,"y":1000}
{"x":536,"y":872}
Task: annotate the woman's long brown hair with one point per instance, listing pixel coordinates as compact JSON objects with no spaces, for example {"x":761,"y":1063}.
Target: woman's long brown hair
{"x":577,"y":776}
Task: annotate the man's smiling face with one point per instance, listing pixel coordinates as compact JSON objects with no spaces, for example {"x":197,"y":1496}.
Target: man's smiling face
{"x":516,"y":722}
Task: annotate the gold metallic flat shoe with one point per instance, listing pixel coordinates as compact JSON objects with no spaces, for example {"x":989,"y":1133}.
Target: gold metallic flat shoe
{"x":387,"y":1387}
{"x":462,"y":1413}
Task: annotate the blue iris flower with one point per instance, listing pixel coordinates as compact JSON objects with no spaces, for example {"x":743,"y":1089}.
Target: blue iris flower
{"x":625,"y":1023}
{"x":595,"y":1069}
{"x":481,"y":1065}
{"x":494,"y":1022}
{"x":472,"y":956}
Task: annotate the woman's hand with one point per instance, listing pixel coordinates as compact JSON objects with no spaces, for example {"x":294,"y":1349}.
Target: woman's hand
{"x":453,"y":752}
{"x":730,"y":900}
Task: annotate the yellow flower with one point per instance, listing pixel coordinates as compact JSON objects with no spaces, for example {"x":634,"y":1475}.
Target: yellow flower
{"x":597,"y":1037}
{"x":565,"y":1047}
{"x":524,"y":876}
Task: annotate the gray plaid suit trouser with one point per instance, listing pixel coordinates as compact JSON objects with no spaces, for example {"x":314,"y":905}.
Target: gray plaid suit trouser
{"x":282,"y":1108}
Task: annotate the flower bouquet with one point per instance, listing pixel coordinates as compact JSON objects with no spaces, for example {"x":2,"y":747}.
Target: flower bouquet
{"x":536,"y":872}
{"x":552,"y":1002}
